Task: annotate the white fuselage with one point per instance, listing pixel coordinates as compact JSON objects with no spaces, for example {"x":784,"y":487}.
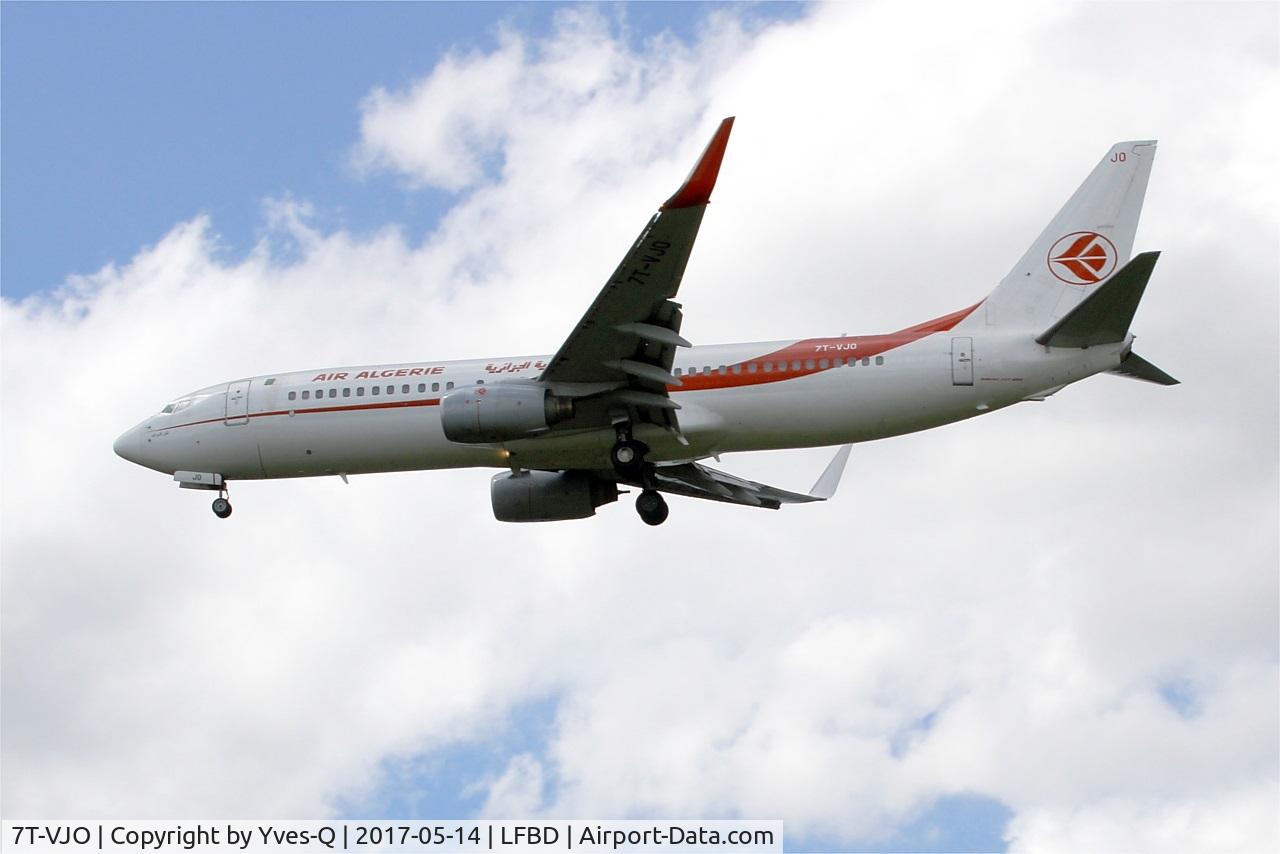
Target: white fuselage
{"x":735,"y":397}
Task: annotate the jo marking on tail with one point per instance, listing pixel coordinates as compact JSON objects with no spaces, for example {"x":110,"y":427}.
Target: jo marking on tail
{"x":627,"y":401}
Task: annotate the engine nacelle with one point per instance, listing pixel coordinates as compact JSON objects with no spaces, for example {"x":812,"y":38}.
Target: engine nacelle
{"x":480,"y":414}
{"x":548,"y":496}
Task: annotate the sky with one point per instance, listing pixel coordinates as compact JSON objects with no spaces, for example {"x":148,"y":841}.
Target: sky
{"x":1053,"y":629}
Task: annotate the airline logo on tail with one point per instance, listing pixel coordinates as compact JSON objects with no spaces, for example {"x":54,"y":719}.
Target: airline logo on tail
{"x":1082,"y":258}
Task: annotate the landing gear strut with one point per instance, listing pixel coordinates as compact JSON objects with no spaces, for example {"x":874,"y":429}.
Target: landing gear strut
{"x":652,"y":507}
{"x":221,"y":506}
{"x":627,"y":455}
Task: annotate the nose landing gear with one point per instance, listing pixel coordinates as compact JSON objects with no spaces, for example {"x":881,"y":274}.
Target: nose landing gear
{"x":210,"y":481}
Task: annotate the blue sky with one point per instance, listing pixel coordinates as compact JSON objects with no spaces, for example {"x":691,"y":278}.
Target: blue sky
{"x":121,"y":119}
{"x":1056,"y":683}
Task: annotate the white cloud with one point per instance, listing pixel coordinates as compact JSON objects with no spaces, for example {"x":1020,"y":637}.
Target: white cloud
{"x":1026,"y":583}
{"x":557,"y":113}
{"x":518,"y":791}
{"x":1231,"y":820}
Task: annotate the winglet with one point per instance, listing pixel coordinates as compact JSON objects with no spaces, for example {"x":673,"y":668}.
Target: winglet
{"x":826,"y":485}
{"x":697,"y":187}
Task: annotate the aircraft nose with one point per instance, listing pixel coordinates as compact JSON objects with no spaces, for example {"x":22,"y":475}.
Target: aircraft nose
{"x":128,"y":446}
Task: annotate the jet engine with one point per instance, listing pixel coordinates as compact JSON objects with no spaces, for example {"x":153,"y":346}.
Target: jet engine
{"x":504,"y":411}
{"x":548,"y":496}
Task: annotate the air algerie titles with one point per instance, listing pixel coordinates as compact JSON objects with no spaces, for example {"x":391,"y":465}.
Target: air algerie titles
{"x":377,"y":375}
{"x":425,"y":371}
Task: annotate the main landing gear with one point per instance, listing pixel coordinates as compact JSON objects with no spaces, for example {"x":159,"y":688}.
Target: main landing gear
{"x":627,"y":456}
{"x":221,"y":506}
{"x":652,"y":507}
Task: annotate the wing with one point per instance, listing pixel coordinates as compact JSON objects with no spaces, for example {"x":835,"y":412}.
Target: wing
{"x":699,"y":481}
{"x":628,"y":336}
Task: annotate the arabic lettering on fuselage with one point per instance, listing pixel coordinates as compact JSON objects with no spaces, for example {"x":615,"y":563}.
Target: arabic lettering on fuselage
{"x":514,"y":367}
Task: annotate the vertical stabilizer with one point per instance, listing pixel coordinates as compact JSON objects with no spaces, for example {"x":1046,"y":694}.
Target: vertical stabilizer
{"x":1089,"y":240}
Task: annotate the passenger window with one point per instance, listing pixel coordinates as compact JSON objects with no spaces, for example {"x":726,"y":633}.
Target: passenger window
{"x":359,"y":391}
{"x":422,"y":387}
{"x":678,"y":370}
{"x":795,"y":366}
{"x":306,"y":395}
{"x":751,"y":367}
{"x":391,"y":389}
{"x":404,"y":389}
{"x":823,"y":363}
{"x":377,"y":389}
{"x":293,"y":395}
{"x":866,"y":361}
{"x":479,"y":382}
{"x":333,"y":392}
{"x":808,"y":365}
{"x":706,"y":370}
{"x":722,"y":370}
{"x":737,"y":369}
{"x":768,"y":367}
{"x":879,"y":360}
{"x":435,"y":386}
{"x":448,"y":386}
{"x":346,"y":392}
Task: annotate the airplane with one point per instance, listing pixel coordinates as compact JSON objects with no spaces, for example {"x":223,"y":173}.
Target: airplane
{"x":627,"y":401}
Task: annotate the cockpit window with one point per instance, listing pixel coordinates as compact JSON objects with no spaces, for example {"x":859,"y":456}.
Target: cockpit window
{"x":176,"y":406}
{"x":167,"y":409}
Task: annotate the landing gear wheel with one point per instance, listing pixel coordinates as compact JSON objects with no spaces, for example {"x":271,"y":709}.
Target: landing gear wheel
{"x":221,"y":508}
{"x":627,"y":457}
{"x":652,"y":507}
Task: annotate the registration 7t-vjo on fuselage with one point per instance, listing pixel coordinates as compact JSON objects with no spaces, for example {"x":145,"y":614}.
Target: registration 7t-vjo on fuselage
{"x":627,"y":401}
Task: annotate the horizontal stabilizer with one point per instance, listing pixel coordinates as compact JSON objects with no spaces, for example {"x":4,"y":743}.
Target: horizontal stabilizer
{"x":1137,"y":368}
{"x":1104,"y":316}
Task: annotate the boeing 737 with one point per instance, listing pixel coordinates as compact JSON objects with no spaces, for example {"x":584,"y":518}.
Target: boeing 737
{"x":628,"y":401}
